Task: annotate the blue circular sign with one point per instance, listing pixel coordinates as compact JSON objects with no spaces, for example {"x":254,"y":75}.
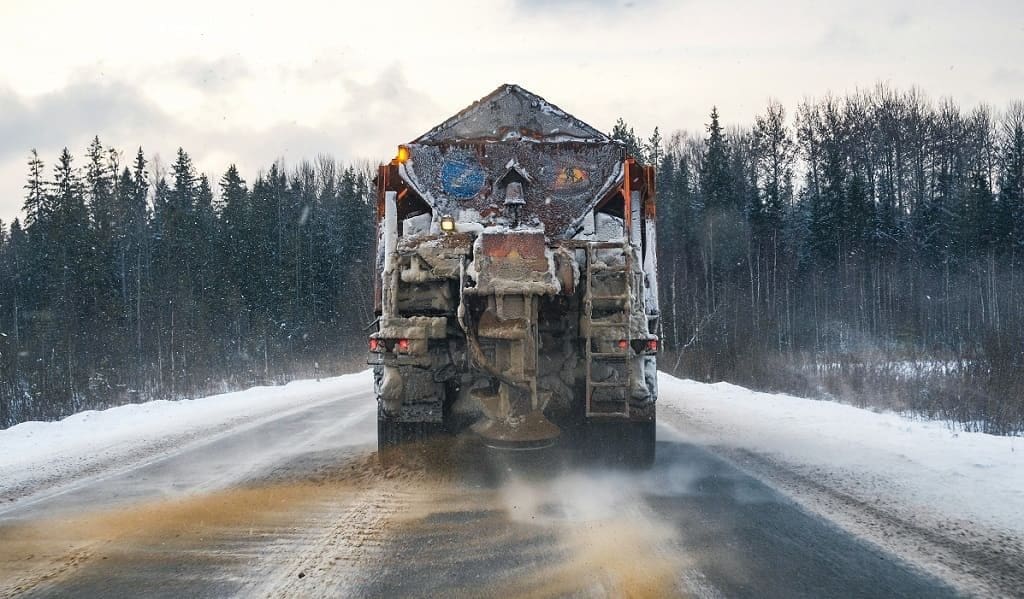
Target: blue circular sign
{"x":462,"y":177}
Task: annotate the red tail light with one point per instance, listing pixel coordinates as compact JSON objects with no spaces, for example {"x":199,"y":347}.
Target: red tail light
{"x":652,"y":345}
{"x":403,"y":345}
{"x":623,"y":344}
{"x":375,"y":344}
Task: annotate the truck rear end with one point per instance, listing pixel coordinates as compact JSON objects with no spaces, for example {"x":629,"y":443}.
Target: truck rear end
{"x":516,"y":288}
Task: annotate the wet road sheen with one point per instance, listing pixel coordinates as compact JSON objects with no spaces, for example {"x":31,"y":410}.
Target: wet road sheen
{"x":299,"y":507}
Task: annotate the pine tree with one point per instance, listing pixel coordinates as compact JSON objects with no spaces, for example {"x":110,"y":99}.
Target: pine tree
{"x":99,"y":183}
{"x":774,"y":155}
{"x":35,"y":191}
{"x":204,"y":233}
{"x":1011,"y":177}
{"x":233,"y":251}
{"x":233,"y":238}
{"x":17,"y":258}
{"x":8,"y":345}
{"x":652,"y":150}
{"x":625,"y":134}
{"x":858,"y":215}
{"x":69,"y":250}
{"x":100,"y":262}
{"x":715,"y":173}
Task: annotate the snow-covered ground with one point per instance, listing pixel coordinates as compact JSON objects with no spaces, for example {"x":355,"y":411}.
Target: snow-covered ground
{"x":920,"y":467}
{"x":898,"y":481}
{"x":949,"y":502}
{"x":34,"y":455}
{"x":923,"y":470}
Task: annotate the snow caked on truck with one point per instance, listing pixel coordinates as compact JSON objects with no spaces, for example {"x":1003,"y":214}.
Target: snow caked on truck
{"x":516,"y":287}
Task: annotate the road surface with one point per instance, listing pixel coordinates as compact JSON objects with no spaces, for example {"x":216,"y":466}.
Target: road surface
{"x":298,"y":506}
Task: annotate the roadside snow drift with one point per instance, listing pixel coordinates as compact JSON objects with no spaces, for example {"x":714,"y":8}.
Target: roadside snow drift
{"x":922,"y":468}
{"x":43,"y":453}
{"x":919,"y":468}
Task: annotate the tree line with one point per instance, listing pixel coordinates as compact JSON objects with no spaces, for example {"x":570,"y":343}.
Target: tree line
{"x":867,"y":247}
{"x":127,"y":282}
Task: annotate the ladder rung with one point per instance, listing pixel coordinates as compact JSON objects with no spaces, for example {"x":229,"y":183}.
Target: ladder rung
{"x":613,"y":407}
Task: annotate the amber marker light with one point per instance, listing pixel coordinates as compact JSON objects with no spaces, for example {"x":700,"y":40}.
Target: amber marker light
{"x":447,"y":224}
{"x":403,"y":154}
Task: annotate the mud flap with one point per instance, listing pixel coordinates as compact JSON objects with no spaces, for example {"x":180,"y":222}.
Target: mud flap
{"x":629,"y":445}
{"x":393,"y":434}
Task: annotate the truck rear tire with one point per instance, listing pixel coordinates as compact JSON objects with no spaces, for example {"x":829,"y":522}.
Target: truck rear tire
{"x":629,"y":445}
{"x":392,"y":434}
{"x":642,"y":442}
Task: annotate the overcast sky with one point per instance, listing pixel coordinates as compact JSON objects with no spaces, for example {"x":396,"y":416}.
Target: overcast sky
{"x":292,"y":79}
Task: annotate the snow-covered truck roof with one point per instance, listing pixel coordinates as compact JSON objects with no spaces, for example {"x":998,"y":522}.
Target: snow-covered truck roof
{"x":563,"y":166}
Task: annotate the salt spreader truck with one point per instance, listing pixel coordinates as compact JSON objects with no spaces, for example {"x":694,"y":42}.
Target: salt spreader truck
{"x":516,"y":284}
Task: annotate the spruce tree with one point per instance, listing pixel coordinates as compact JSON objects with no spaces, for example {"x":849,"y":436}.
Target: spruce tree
{"x":715,"y":173}
{"x":1011,"y":176}
{"x":774,"y":155}
{"x":35,"y":207}
{"x":625,"y":134}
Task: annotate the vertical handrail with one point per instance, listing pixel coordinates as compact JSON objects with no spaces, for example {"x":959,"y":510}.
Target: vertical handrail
{"x":630,"y":279}
{"x":588,"y":313}
{"x":588,"y":310}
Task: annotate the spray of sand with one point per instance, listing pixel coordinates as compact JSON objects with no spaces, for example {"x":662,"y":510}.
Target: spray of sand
{"x":38,"y":552}
{"x":612,"y":544}
{"x":590,"y":531}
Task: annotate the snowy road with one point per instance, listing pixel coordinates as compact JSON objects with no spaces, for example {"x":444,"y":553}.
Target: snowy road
{"x":285,"y":499}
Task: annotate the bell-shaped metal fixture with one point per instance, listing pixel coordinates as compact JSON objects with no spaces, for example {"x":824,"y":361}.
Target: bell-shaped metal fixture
{"x":514,"y":194}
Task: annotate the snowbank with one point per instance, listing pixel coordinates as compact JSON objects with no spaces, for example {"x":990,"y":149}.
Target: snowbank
{"x":922,"y":467}
{"x":37,"y":452}
{"x":919,"y":468}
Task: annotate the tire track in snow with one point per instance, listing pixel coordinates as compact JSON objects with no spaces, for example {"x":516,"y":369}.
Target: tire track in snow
{"x":28,"y":493}
{"x":335,"y":562}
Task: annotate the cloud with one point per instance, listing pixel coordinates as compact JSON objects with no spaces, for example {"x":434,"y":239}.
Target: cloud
{"x":594,"y":4}
{"x":12,"y":177}
{"x":388,"y":105}
{"x":256,"y":150}
{"x":364,"y":119}
{"x":368,"y":120}
{"x":901,"y":20}
{"x":61,"y":117}
{"x":598,"y":8}
{"x":842,"y":40}
{"x":211,"y":75}
{"x":1007,"y":77}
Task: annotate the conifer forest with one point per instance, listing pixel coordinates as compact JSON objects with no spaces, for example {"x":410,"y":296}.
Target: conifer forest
{"x":866,"y":247}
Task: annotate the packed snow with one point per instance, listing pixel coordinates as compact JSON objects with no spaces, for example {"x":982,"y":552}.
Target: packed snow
{"x":923,"y":468}
{"x":42,"y":453}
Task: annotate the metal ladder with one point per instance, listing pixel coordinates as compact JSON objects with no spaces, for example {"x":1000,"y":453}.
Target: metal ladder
{"x":617,"y":409}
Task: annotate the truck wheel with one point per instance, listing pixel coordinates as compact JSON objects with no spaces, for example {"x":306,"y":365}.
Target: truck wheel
{"x":390,"y":435}
{"x":628,"y":445}
{"x":641,"y":444}
{"x":390,"y":431}
{"x":393,"y":434}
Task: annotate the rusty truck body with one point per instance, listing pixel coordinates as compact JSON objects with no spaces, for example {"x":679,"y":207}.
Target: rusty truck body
{"x":516,"y":288}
